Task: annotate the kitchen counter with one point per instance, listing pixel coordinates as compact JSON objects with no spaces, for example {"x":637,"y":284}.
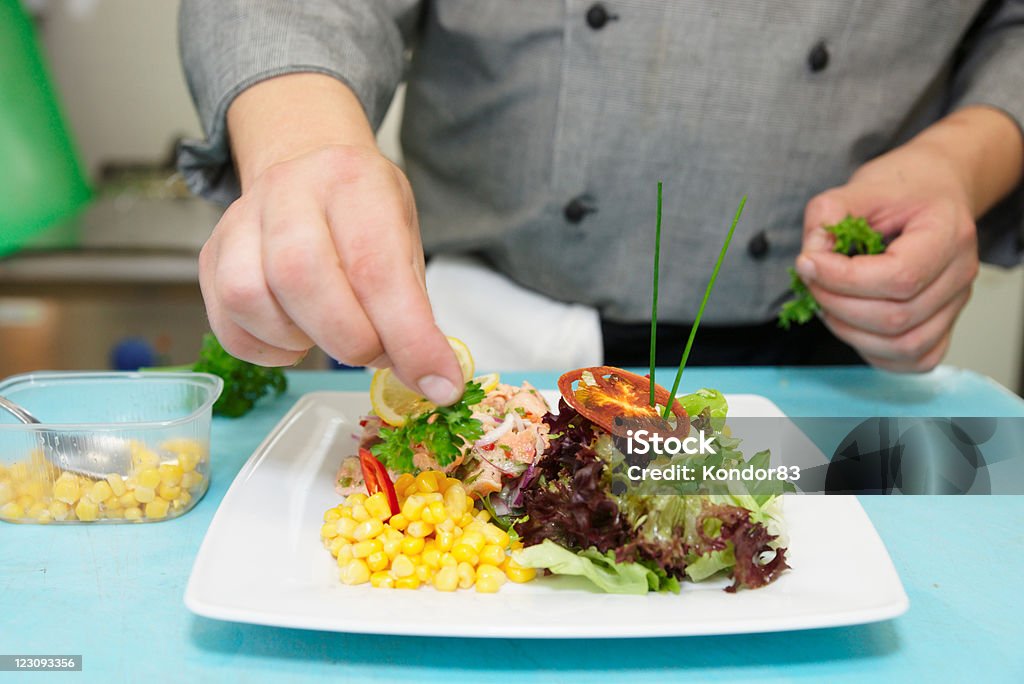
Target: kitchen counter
{"x":114,"y":593}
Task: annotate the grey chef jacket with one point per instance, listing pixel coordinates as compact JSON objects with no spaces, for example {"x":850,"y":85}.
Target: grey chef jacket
{"x":535,"y":131}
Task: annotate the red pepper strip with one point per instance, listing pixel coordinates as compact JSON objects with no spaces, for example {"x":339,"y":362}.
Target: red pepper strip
{"x":376,"y":477}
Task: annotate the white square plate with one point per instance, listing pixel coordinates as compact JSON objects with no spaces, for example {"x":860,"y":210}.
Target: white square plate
{"x":262,"y":561}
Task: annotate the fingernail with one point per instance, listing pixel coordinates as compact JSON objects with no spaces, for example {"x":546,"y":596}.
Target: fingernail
{"x":805,"y":267}
{"x":437,"y":389}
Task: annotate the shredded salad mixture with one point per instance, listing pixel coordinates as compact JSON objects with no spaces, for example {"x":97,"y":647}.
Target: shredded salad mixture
{"x":554,"y":485}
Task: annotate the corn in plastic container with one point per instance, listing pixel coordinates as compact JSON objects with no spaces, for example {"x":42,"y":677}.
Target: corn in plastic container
{"x":157,"y":424}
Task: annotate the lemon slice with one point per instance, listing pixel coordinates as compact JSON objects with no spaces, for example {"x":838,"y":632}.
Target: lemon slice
{"x":394,"y":402}
{"x":487,"y":382}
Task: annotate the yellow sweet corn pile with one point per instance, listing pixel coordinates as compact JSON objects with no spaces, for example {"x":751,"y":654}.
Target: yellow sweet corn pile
{"x":158,"y":487}
{"x":437,"y":538}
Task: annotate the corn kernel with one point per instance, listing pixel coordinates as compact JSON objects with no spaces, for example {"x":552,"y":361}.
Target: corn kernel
{"x":127,"y":500}
{"x":335,"y":544}
{"x":143,"y":457}
{"x":426,"y":482}
{"x":465,"y":554}
{"x":378,"y":507}
{"x":403,"y":481}
{"x":359,"y":513}
{"x":168,"y":492}
{"x":355,"y":499}
{"x":446,"y":525}
{"x":448,"y":483}
{"x":495,"y":535}
{"x":144,"y":494}
{"x":424,"y":573}
{"x":516,"y":572}
{"x":455,"y":500}
{"x":149,"y":478}
{"x":390,"y":533}
{"x":346,"y":528}
{"x":492,"y":554}
{"x":87,"y":511}
{"x":6,"y":492}
{"x":448,"y":559}
{"x":183,"y":500}
{"x":378,"y":560}
{"x":66,"y":489}
{"x":157,"y":508}
{"x":487,"y":585}
{"x":483,"y":516}
{"x":355,"y":572}
{"x":382,"y":580}
{"x":474,"y":540}
{"x":25,"y":501}
{"x":12,"y":510}
{"x":344,"y":554}
{"x":116,"y":483}
{"x":413,"y":507}
{"x":398,"y":522}
{"x":133,"y":513}
{"x":368,"y":529}
{"x":446,"y":579}
{"x":332,"y":515}
{"x":466,"y":519}
{"x":363,"y":549}
{"x":191,"y":480}
{"x":411,"y":490}
{"x":435,"y":513}
{"x":170,"y":474}
{"x":466,"y":575}
{"x":59,"y":510}
{"x":392,"y":547}
{"x":432,"y":558}
{"x":402,"y":566}
{"x":188,"y":461}
{"x":412,"y":546}
{"x":418,"y":528}
{"x":328,"y":530}
{"x":411,"y":582}
{"x":43,"y":516}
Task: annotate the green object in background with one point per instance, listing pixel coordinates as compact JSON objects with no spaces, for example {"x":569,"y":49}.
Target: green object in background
{"x":41,"y":180}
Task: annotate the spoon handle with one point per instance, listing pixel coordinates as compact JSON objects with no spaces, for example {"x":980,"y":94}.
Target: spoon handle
{"x":18,"y":412}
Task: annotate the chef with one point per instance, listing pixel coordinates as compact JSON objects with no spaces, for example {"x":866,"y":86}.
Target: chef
{"x":534,"y":134}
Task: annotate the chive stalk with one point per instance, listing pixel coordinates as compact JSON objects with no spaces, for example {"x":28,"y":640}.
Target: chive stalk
{"x":700,"y":312}
{"x":654,"y":302}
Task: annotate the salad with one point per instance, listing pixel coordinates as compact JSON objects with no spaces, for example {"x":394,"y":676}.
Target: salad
{"x":555,"y":485}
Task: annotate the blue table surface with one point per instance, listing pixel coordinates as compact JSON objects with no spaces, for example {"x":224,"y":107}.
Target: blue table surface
{"x":113,"y":593}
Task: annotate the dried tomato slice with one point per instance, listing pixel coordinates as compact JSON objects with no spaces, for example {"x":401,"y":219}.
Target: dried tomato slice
{"x":618,"y":401}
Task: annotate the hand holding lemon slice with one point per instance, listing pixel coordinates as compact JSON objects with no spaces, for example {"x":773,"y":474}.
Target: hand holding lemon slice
{"x":394,"y":402}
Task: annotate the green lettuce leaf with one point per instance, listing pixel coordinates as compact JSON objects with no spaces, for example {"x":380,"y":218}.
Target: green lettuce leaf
{"x":704,"y":398}
{"x":601,"y":569}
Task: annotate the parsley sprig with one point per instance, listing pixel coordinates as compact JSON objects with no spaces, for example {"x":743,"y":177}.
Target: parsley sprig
{"x":853,"y":235}
{"x":443,"y":430}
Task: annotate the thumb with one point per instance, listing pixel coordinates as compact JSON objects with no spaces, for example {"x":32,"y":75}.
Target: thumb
{"x":826,"y":209}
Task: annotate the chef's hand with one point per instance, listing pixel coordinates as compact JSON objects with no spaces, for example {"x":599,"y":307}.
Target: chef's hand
{"x":898,"y":308}
{"x":323,"y":246}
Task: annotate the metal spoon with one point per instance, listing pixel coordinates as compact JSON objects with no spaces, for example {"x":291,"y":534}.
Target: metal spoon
{"x":92,"y":455}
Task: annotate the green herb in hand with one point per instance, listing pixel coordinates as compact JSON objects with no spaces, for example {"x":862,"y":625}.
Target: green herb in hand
{"x":244,"y":382}
{"x":443,"y":430}
{"x":853,"y":235}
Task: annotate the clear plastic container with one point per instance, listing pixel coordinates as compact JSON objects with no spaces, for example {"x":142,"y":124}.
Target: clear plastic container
{"x":159,"y":422}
